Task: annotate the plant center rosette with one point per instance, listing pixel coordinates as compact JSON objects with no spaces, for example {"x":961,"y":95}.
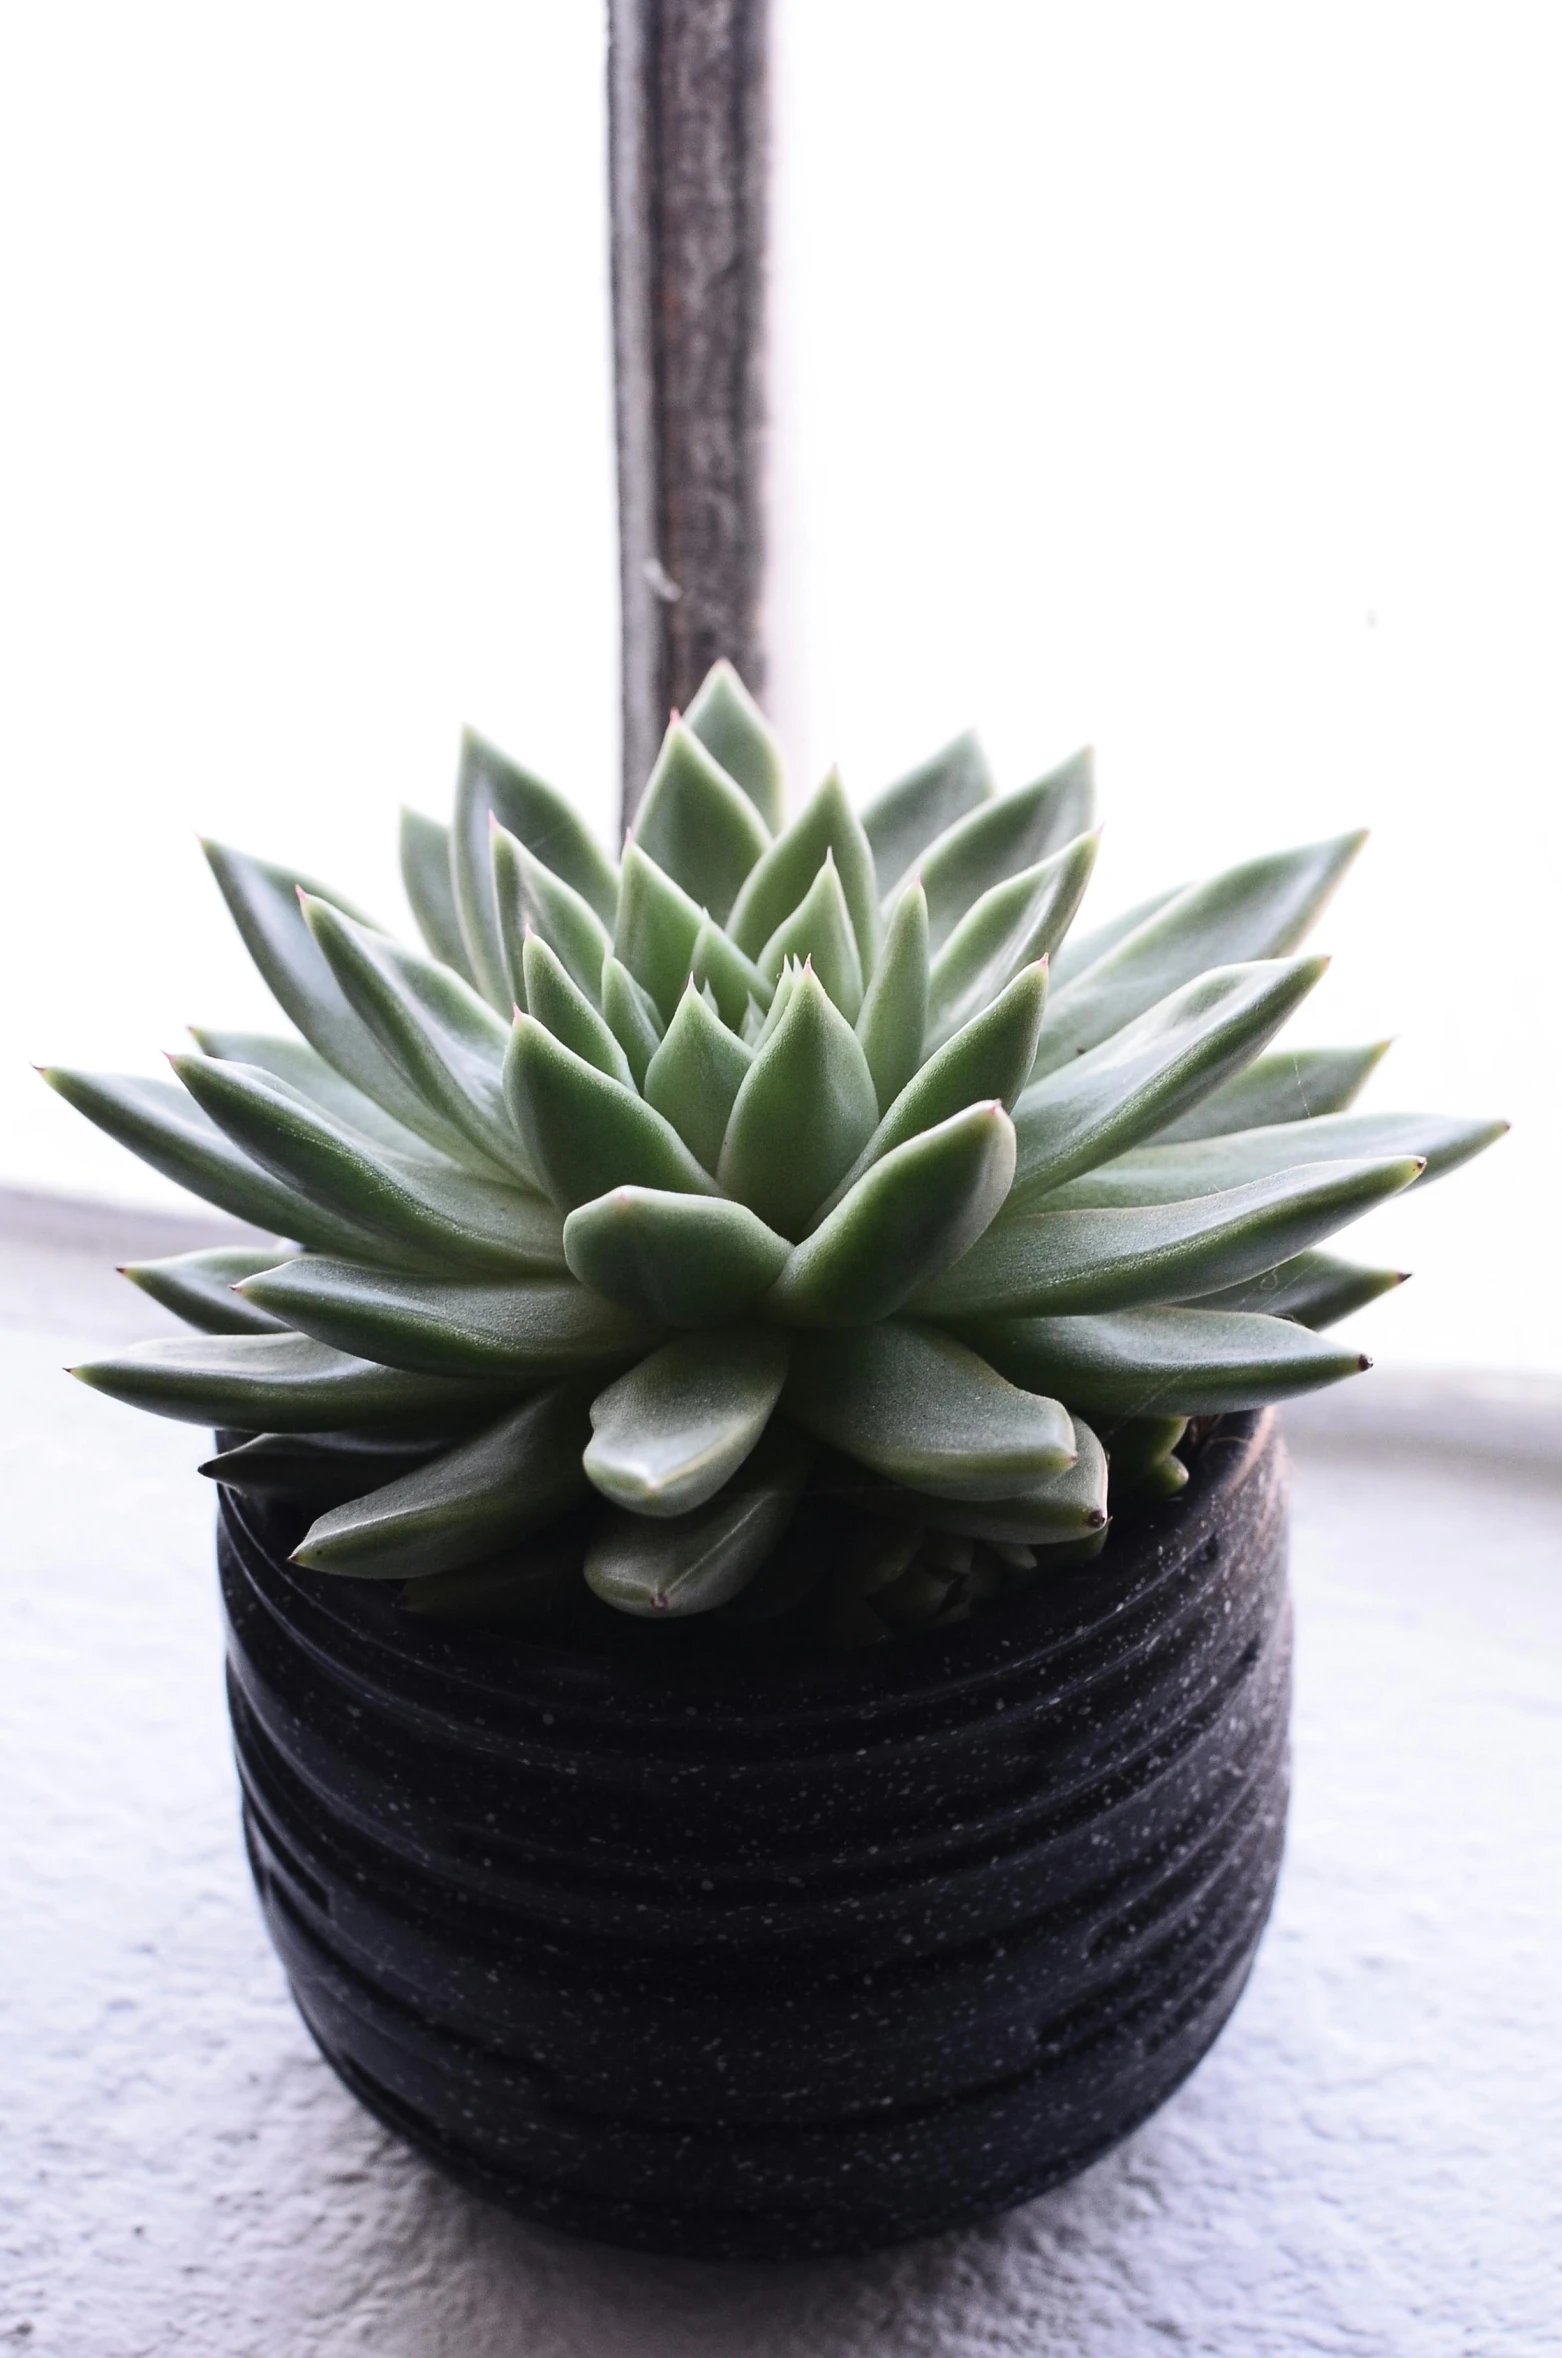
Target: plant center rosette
{"x":802,"y":1222}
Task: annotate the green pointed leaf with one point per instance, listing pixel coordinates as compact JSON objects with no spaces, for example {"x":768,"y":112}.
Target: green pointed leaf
{"x":907,"y":1219}
{"x":1011,"y":926}
{"x":695,"y":1562}
{"x":697,"y":823}
{"x":999,"y":838}
{"x":198,"y":1287}
{"x":632,"y":1016}
{"x":1259,"y":910}
{"x":1163,"y":1362}
{"x":279,"y":1384}
{"x":734,"y":981}
{"x":918,"y":1406}
{"x":730,"y":725}
{"x":488,"y":785}
{"x":695,"y":1075}
{"x":1315,"y":1289}
{"x":433,"y":1213}
{"x":164,"y":1126}
{"x":806,"y":1106}
{"x":298,"y":1065}
{"x":819,"y":932}
{"x":780,"y":880}
{"x":1139,"y":1450}
{"x":446,"y":1042}
{"x":489,"y":1492}
{"x":892,"y":1023}
{"x":532,"y":1331}
{"x":1083,"y":949}
{"x":905,"y":818}
{"x":670,"y":1433}
{"x":658,"y":926}
{"x":1151,"y":1071}
{"x":989,"y":1058}
{"x":1289,"y":1085}
{"x":263,"y":902}
{"x":1056,"y":1262}
{"x":528,"y":895}
{"x":565,"y":1011}
{"x":1064,"y":1510}
{"x":691,"y":1260}
{"x":582,"y":1132}
{"x":1164,"y":1174}
{"x":426,"y":879}
{"x":319,"y":1469}
{"x":791,"y":976}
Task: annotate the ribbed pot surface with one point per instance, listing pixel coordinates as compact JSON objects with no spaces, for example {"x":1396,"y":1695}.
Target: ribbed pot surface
{"x":747,"y":1961}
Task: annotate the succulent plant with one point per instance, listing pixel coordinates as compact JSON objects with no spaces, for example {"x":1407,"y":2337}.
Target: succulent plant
{"x":796,"y":1221}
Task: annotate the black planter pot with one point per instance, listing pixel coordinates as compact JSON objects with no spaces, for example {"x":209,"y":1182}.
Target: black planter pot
{"x":777,"y":1960}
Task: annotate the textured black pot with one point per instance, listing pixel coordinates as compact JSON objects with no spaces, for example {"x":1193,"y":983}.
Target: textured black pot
{"x":781,"y":1960}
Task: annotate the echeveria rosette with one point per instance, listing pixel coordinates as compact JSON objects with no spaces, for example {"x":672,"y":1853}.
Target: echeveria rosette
{"x":792,"y":1219}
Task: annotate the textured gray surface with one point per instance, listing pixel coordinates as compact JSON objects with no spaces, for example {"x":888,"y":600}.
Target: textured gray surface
{"x":1369,"y":2163}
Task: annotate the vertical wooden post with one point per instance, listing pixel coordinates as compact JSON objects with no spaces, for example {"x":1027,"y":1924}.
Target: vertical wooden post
{"x":687,"y":91}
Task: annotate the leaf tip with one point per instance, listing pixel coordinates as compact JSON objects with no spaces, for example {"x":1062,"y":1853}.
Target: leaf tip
{"x":1362,"y":1363}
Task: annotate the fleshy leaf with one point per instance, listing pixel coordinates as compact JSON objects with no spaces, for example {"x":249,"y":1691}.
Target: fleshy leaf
{"x":426,"y":879}
{"x":1288,"y":1085}
{"x":905,"y":818}
{"x":1151,"y":1071}
{"x":1164,"y":1174}
{"x":584,"y":1133}
{"x":297,"y":1064}
{"x":533,"y":1332}
{"x":989,"y":1058}
{"x":698,"y":1561}
{"x":1083,"y":949}
{"x":819,"y":932}
{"x":1315,"y":1289}
{"x":1258,"y":910}
{"x":488,"y":785}
{"x":489,"y":1492}
{"x":806,"y":1106}
{"x":319,"y":1469}
{"x":279,"y":1384}
{"x":691,"y":1260}
{"x":999,"y":838}
{"x":668,"y":1434}
{"x":164,"y":1126}
{"x":432,"y":1211}
{"x":658,"y":926}
{"x":729,"y":724}
{"x":734,"y":980}
{"x":528,"y":895}
{"x":912,"y":1214}
{"x":1056,"y":1262}
{"x":198,"y":1287}
{"x":1163,"y":1362}
{"x":695,"y":1075}
{"x":783,"y":876}
{"x":556,"y":1002}
{"x":632,"y":1016}
{"x":918,"y":1406}
{"x":697,"y":823}
{"x":892,"y":1023}
{"x":1011,"y":926}
{"x":446,"y":1042}
{"x":263,"y":902}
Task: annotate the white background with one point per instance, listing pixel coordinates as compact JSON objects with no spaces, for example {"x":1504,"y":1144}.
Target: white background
{"x":1187,"y":380}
